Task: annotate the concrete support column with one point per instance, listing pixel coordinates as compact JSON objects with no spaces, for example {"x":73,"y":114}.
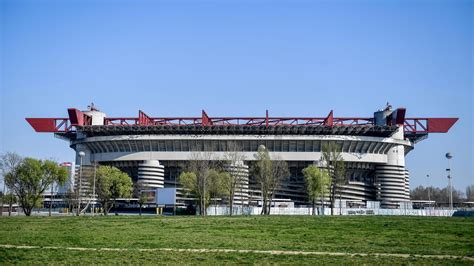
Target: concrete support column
{"x":84,"y":174}
{"x":241,"y":171}
{"x":392,"y":179}
{"x":151,"y":175}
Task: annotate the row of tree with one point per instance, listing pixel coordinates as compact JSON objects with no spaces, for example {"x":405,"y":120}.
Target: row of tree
{"x":27,"y":179}
{"x":204,"y":178}
{"x":441,"y":195}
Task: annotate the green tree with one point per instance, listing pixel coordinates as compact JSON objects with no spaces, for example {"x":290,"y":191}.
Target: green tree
{"x":31,"y":178}
{"x":217,"y":181}
{"x":269,"y":174}
{"x":111,"y":183}
{"x":334,"y":164}
{"x":317,"y":184}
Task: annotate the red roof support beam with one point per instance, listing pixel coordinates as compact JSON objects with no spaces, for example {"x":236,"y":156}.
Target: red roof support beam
{"x":78,"y":118}
{"x":329,"y":120}
{"x":52,"y":125}
{"x":206,"y":121}
{"x":144,"y":119}
{"x":400,"y":116}
{"x":440,"y":125}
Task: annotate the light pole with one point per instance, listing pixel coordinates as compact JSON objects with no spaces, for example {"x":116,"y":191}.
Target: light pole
{"x":449,"y":156}
{"x":174,"y":205}
{"x":81,"y":155}
{"x":93,"y":189}
{"x":429,"y":198}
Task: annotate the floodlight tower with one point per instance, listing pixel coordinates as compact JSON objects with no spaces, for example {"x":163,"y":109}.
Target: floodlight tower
{"x":449,"y":156}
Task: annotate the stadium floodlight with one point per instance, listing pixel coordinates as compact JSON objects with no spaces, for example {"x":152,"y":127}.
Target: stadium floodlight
{"x":449,"y":156}
{"x":81,"y":155}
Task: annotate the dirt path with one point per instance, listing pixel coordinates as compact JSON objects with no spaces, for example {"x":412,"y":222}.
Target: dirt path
{"x":272,"y":252}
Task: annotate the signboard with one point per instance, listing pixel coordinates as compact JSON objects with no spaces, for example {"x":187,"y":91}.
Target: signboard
{"x":166,"y":196}
{"x":150,"y":196}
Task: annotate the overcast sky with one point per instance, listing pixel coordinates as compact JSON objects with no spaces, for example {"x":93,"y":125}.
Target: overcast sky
{"x":238,"y":58}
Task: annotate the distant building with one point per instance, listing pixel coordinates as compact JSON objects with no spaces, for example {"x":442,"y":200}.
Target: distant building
{"x":69,"y":184}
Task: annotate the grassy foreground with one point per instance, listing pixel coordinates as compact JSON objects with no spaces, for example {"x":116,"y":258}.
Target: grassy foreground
{"x":376,"y":234}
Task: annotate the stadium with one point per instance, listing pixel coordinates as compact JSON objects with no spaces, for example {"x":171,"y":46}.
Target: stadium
{"x":154,"y":150}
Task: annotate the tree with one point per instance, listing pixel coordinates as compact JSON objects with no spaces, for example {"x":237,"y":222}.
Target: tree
{"x":8,"y":162}
{"x":31,"y":178}
{"x":268,"y":174}
{"x":10,"y":199}
{"x":195,"y":179}
{"x":439,"y":195}
{"x":334,"y":164}
{"x":70,"y":199}
{"x":111,"y":183}
{"x":216,"y":184}
{"x":137,"y":193}
{"x":317,"y":184}
{"x":235,"y":178}
{"x":470,"y":193}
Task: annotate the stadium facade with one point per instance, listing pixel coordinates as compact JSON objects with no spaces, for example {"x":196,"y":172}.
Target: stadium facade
{"x":153,"y":151}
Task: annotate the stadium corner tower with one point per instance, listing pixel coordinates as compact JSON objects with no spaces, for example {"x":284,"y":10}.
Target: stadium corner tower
{"x":153,"y":150}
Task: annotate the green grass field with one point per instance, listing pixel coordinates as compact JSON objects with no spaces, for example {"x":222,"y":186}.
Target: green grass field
{"x":377,"y":234}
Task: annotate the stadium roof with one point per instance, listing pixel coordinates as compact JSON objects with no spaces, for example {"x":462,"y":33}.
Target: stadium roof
{"x":415,"y":129}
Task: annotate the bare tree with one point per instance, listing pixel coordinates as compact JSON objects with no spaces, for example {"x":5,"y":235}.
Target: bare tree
{"x":8,"y":162}
{"x":470,"y":193}
{"x":138,"y":193}
{"x":233,"y":159}
{"x":70,"y":199}
{"x":439,"y":195}
{"x":269,"y":174}
{"x":196,"y":178}
{"x":334,"y":164}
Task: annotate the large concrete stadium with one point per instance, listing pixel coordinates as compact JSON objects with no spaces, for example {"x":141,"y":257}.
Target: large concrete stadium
{"x":153,"y":151}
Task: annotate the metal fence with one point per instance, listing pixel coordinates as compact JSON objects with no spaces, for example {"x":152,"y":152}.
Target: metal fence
{"x":224,"y":210}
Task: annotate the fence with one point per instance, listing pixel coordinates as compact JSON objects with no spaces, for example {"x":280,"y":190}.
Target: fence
{"x":237,"y":210}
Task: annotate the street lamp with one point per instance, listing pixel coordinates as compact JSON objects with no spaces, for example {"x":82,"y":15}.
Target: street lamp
{"x":449,"y":156}
{"x":81,"y":155}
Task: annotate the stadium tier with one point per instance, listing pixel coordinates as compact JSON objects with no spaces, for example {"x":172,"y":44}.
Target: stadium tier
{"x":153,"y":151}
